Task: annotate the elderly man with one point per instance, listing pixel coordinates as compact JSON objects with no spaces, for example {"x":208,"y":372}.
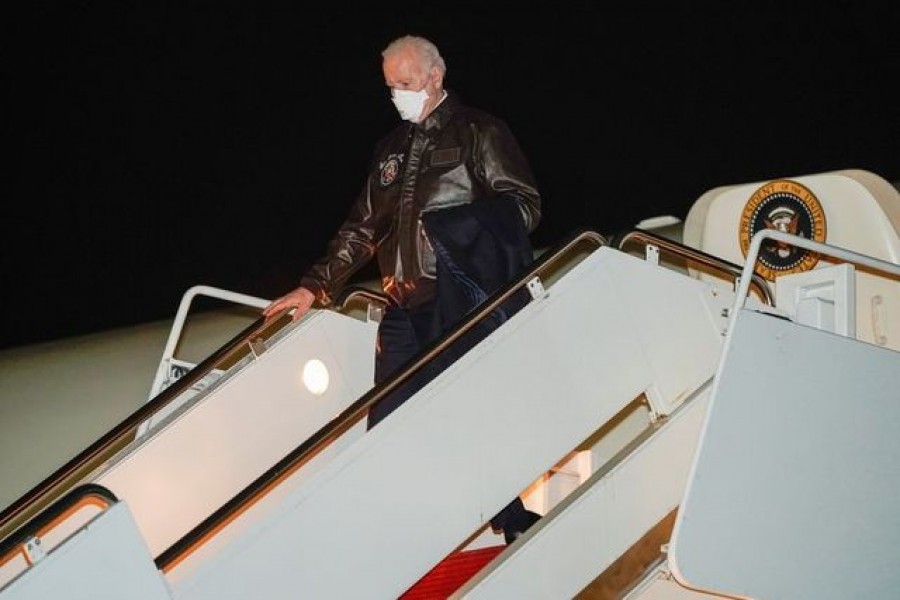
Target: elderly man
{"x":445,"y":159}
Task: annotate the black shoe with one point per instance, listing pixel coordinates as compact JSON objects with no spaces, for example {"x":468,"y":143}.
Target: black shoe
{"x":513,"y":530}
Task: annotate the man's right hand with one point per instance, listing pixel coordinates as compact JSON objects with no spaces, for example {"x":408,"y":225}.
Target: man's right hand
{"x":300,"y":300}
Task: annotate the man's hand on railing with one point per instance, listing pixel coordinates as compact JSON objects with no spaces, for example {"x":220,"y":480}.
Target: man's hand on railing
{"x":301,"y":299}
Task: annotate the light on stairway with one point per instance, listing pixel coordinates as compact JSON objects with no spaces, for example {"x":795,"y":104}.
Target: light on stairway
{"x":315,"y":376}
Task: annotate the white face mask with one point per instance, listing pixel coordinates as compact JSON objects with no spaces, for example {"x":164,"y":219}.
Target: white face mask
{"x":409,"y":104}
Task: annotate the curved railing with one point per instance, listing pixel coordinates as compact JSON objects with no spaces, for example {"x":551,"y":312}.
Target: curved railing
{"x":725,"y":267}
{"x":352,"y":414}
{"x":56,"y":484}
{"x":68,"y":475}
{"x":882,"y":267}
{"x":32,"y":531}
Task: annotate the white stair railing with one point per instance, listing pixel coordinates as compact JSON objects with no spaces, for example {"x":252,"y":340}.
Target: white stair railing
{"x":170,"y":368}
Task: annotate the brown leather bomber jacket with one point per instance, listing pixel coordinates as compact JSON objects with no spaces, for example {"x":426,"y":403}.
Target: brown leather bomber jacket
{"x":457,"y":155}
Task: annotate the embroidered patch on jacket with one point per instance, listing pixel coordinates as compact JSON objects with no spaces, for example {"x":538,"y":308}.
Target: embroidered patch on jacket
{"x":788,"y":206}
{"x":449,"y":156}
{"x":390,"y":168}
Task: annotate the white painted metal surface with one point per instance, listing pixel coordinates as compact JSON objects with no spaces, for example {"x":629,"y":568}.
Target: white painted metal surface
{"x":164,"y":376}
{"x":862,"y":213}
{"x":404,"y":495}
{"x":420,"y":485}
{"x":583,"y":536}
{"x":793,"y":492}
{"x":822,"y":298}
{"x":659,"y":584}
{"x":97,"y":381}
{"x":41,"y":543}
{"x":105,"y":560}
{"x":239,"y":428}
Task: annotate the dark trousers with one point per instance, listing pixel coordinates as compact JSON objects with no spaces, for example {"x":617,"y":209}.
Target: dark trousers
{"x":402,"y":334}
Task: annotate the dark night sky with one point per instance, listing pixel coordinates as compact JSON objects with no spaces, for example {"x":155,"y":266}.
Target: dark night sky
{"x":152,"y":147}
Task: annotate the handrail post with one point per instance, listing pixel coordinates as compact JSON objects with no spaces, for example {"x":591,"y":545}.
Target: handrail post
{"x":162,"y":372}
{"x":340,"y":423}
{"x":779,"y":236}
{"x":692,"y":254}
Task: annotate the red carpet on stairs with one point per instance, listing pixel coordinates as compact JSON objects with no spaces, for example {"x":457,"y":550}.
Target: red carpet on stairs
{"x":451,"y":573}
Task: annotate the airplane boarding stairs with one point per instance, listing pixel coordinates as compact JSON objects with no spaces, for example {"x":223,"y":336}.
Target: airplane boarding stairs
{"x":615,"y":344}
{"x":792,"y":491}
{"x":802,"y":505}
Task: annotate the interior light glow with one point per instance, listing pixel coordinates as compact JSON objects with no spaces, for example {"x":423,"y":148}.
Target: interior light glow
{"x":315,"y":376}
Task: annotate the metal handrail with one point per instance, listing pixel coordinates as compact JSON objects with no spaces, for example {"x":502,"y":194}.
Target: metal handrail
{"x":692,"y":254}
{"x":59,"y":508}
{"x":103,"y":448}
{"x":100,"y":450}
{"x":849,"y":256}
{"x":181,"y":316}
{"x":351,"y":415}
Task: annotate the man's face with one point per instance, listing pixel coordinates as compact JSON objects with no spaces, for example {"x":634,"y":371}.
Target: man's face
{"x":404,"y":71}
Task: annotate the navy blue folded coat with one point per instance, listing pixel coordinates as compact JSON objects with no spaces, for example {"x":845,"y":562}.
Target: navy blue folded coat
{"x":480,"y":247}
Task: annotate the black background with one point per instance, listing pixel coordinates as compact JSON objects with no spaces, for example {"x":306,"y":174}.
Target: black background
{"x":152,"y":147}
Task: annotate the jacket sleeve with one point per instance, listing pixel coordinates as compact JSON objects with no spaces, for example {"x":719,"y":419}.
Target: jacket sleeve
{"x":507,"y":172}
{"x":349,"y":250}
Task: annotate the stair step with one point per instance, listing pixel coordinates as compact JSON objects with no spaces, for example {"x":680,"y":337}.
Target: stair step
{"x":451,"y":573}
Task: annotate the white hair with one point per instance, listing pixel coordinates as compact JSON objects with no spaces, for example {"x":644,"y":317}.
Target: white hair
{"x":424,"y":48}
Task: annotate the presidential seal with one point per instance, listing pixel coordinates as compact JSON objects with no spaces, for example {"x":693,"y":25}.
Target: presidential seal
{"x":786,"y":206}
